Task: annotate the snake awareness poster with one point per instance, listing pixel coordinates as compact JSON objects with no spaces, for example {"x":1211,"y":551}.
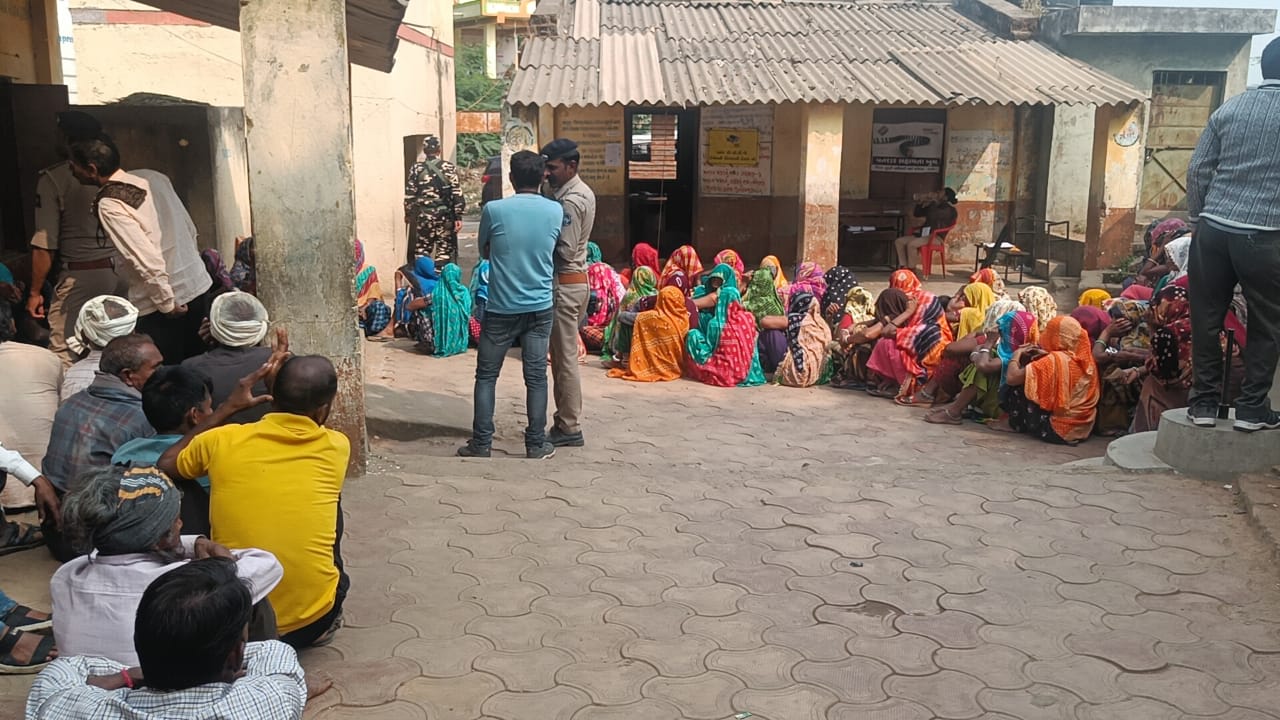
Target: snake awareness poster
{"x":906,"y":147}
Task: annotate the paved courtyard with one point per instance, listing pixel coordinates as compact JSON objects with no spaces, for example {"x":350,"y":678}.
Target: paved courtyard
{"x":794,"y":554}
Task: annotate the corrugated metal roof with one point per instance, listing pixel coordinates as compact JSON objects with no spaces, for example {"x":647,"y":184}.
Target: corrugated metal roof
{"x":707,"y":52}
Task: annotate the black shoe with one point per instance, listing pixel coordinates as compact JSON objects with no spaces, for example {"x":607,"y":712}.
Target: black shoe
{"x":545,"y":451}
{"x":1203,"y":415}
{"x":561,"y":439}
{"x":1269,"y":421}
{"x":472,"y":450}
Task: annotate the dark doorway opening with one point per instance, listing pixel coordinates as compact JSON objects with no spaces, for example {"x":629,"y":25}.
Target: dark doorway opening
{"x":662,"y":176}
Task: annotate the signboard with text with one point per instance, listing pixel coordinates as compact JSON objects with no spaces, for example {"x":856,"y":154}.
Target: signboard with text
{"x":906,"y":147}
{"x":737,"y":150}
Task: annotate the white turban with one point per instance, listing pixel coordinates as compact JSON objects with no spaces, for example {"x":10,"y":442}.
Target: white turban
{"x":237,"y":319}
{"x":95,"y":327}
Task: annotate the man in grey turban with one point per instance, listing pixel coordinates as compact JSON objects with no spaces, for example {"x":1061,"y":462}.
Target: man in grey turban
{"x":126,"y":522}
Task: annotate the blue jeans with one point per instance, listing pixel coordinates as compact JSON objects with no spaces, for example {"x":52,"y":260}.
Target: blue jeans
{"x":497,"y":334}
{"x":6,"y":604}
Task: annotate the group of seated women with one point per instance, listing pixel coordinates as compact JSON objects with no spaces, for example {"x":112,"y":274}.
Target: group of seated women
{"x":1109,"y":367}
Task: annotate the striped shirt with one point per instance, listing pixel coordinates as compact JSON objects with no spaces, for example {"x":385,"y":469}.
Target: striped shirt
{"x":1233,"y":179}
{"x":272,"y":688}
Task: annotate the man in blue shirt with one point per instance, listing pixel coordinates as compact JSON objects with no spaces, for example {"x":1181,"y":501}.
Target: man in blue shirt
{"x":518,"y":237}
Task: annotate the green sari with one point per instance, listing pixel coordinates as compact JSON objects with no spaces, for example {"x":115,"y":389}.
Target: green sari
{"x":451,"y":312}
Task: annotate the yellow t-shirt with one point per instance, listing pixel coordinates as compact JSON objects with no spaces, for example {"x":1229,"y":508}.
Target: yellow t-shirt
{"x":274,"y":485}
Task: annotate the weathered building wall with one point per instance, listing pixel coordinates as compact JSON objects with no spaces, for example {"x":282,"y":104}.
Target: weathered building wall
{"x":1070,"y":167}
{"x":594,"y":129}
{"x":1135,"y":58}
{"x":979,"y":165}
{"x":416,"y":98}
{"x":29,"y":41}
{"x":1116,"y":178}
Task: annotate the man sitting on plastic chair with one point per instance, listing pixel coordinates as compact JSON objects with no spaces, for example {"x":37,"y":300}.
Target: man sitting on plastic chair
{"x":939,"y":211}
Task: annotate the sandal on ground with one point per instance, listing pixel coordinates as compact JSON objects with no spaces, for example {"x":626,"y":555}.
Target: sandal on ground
{"x":881,"y":392}
{"x":23,"y":653}
{"x":914,"y":400}
{"x":19,"y":536}
{"x":28,"y":619}
{"x":943,"y":416}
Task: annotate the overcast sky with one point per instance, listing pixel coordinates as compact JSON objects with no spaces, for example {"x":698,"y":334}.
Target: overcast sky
{"x":1259,"y":41}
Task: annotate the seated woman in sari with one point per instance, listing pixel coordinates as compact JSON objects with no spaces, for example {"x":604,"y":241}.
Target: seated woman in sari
{"x":985,"y":374}
{"x":1166,"y":376}
{"x":1156,"y":263}
{"x":1117,"y":368}
{"x":856,"y":334}
{"x":992,"y":279}
{"x":1094,"y":297}
{"x":616,"y":343}
{"x":764,"y":304}
{"x":685,"y":259}
{"x":780,"y":282}
{"x":1040,"y":303}
{"x":606,"y":293}
{"x":887,"y":372}
{"x":371,"y":310}
{"x":809,"y":278}
{"x":451,"y":313}
{"x":415,"y":288}
{"x":840,"y":280}
{"x":722,"y":350}
{"x":1051,"y":390}
{"x":642,"y":254}
{"x":732,"y":259}
{"x":658,"y":340}
{"x":808,"y":336}
{"x":971,"y":304}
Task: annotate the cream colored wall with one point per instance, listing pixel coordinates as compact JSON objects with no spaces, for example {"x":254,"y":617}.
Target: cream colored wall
{"x":788,"y":137}
{"x":29,"y":41}
{"x":203,"y":64}
{"x":855,"y":163}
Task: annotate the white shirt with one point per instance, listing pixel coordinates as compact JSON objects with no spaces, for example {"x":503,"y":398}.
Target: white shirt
{"x":178,"y":241}
{"x":136,"y":234}
{"x":95,"y":597}
{"x":12,"y":462}
{"x":30,"y":383}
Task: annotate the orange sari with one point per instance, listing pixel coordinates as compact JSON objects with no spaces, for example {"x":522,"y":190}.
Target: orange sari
{"x":657,"y":340}
{"x":1065,"y":383}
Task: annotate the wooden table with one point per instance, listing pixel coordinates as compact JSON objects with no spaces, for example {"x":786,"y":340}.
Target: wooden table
{"x":879,"y":222}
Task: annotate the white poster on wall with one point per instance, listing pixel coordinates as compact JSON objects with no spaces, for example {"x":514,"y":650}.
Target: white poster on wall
{"x":909,"y":147}
{"x":736,"y":150}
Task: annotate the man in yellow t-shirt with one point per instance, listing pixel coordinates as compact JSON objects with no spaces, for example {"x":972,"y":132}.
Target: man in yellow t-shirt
{"x":276,"y":484}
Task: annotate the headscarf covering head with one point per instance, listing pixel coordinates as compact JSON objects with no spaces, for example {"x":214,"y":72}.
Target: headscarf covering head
{"x":810,"y":278}
{"x":906,"y":281}
{"x":1179,"y":252}
{"x":1016,"y":328}
{"x":732,"y":259}
{"x":724,"y":273}
{"x":684,"y":258}
{"x":860,"y":306}
{"x":101,"y":320}
{"x":424,"y":271}
{"x":978,"y":298}
{"x":891,"y":303}
{"x":997,"y":310}
{"x":1093,"y":296}
{"x":1040,"y":303}
{"x":593,"y":253}
{"x":780,"y":281}
{"x":644,"y":254}
{"x":1093,"y":319}
{"x":1165,"y":230}
{"x":762,"y":297}
{"x":122,"y":510}
{"x":238,"y":319}
{"x":840,"y":280}
{"x":676,"y":279}
{"x":990,"y":277}
{"x":451,"y":312}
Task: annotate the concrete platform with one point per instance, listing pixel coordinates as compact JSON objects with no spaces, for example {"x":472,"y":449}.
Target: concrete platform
{"x":415,"y":414}
{"x":1136,"y":454}
{"x":1216,"y":453}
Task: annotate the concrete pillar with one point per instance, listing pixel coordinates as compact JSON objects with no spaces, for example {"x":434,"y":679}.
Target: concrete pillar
{"x":1070,"y":166}
{"x":230,"y":178}
{"x":822,"y":140}
{"x":1116,"y":178}
{"x":297,"y":106}
{"x":491,"y":50}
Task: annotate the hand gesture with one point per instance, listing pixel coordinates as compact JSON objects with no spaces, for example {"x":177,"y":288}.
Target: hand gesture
{"x":1120,"y":326}
{"x":242,"y":398}
{"x":206,"y":548}
{"x":35,"y":305}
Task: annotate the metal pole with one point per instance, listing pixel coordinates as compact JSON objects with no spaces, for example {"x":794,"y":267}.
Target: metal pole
{"x":1224,"y":406}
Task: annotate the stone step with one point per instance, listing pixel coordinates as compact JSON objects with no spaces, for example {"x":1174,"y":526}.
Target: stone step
{"x":1216,"y":453}
{"x":1136,"y":454}
{"x":1050,"y":268}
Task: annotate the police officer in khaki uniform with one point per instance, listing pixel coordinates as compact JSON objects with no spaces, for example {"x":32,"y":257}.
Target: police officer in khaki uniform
{"x":67,"y":231}
{"x":571,"y":290}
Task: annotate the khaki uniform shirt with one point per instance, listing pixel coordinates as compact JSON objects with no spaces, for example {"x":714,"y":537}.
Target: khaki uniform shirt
{"x":65,"y":222}
{"x":136,"y":234}
{"x":579,"y":204}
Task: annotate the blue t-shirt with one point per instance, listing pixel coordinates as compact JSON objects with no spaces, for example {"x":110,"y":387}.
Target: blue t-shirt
{"x":519,"y":236}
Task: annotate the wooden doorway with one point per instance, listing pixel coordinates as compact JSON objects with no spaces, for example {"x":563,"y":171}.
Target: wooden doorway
{"x":662,"y":176}
{"x":1181,"y":103}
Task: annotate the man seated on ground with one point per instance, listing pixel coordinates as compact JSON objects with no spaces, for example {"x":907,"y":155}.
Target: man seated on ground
{"x":175,"y":400}
{"x":194,"y":662}
{"x":276,"y":484}
{"x":126,"y":523}
{"x":30,"y":378}
{"x":15,"y":536}
{"x":92,"y":424}
{"x":101,"y":320}
{"x":938,"y":209}
{"x":23,"y":648}
{"x":237,"y":323}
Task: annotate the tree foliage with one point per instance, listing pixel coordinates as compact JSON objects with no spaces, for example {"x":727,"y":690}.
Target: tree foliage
{"x":474,"y":90}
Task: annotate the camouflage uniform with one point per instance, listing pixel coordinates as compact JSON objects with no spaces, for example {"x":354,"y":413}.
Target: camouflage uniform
{"x":433,"y":203}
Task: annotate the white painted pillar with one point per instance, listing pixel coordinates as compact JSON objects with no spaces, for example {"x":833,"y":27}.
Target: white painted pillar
{"x":230,"y":178}
{"x":297,"y":106}
{"x":822,"y":141}
{"x":1070,"y":167}
{"x":491,"y":49}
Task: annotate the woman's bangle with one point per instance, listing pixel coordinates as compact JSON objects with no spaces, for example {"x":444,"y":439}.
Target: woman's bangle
{"x":128,"y":681}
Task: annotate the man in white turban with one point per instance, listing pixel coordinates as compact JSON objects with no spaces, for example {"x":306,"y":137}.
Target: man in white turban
{"x":238,"y":323}
{"x":101,"y":320}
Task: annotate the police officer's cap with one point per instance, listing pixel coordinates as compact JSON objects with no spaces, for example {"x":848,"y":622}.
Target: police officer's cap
{"x":559,"y":148}
{"x":431,"y":143}
{"x":78,"y":125}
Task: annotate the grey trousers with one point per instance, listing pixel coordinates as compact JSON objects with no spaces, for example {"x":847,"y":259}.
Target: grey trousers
{"x":1220,"y":260}
{"x":74,"y":289}
{"x":570,"y":309}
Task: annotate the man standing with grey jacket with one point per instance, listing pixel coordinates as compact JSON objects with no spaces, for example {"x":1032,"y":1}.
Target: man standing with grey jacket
{"x":571,"y":289}
{"x":1233,"y":195}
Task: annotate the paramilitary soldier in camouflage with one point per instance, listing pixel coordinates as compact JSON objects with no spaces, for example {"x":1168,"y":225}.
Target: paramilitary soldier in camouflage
{"x":433,"y":206}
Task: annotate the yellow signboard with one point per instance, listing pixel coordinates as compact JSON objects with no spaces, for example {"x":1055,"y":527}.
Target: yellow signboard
{"x":733,"y":147}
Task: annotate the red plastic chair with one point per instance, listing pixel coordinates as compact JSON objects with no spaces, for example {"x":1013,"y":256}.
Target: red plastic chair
{"x":935,"y":244}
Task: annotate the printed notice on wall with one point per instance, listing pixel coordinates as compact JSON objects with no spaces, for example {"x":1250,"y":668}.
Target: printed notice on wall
{"x":980,"y":164}
{"x":906,"y":147}
{"x":737,"y":151}
{"x":595,"y":130}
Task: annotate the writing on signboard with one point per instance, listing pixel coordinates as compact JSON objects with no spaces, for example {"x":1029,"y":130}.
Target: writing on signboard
{"x":737,"y":150}
{"x":906,"y":147}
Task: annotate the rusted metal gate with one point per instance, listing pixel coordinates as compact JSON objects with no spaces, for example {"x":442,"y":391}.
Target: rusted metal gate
{"x":1181,"y":103}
